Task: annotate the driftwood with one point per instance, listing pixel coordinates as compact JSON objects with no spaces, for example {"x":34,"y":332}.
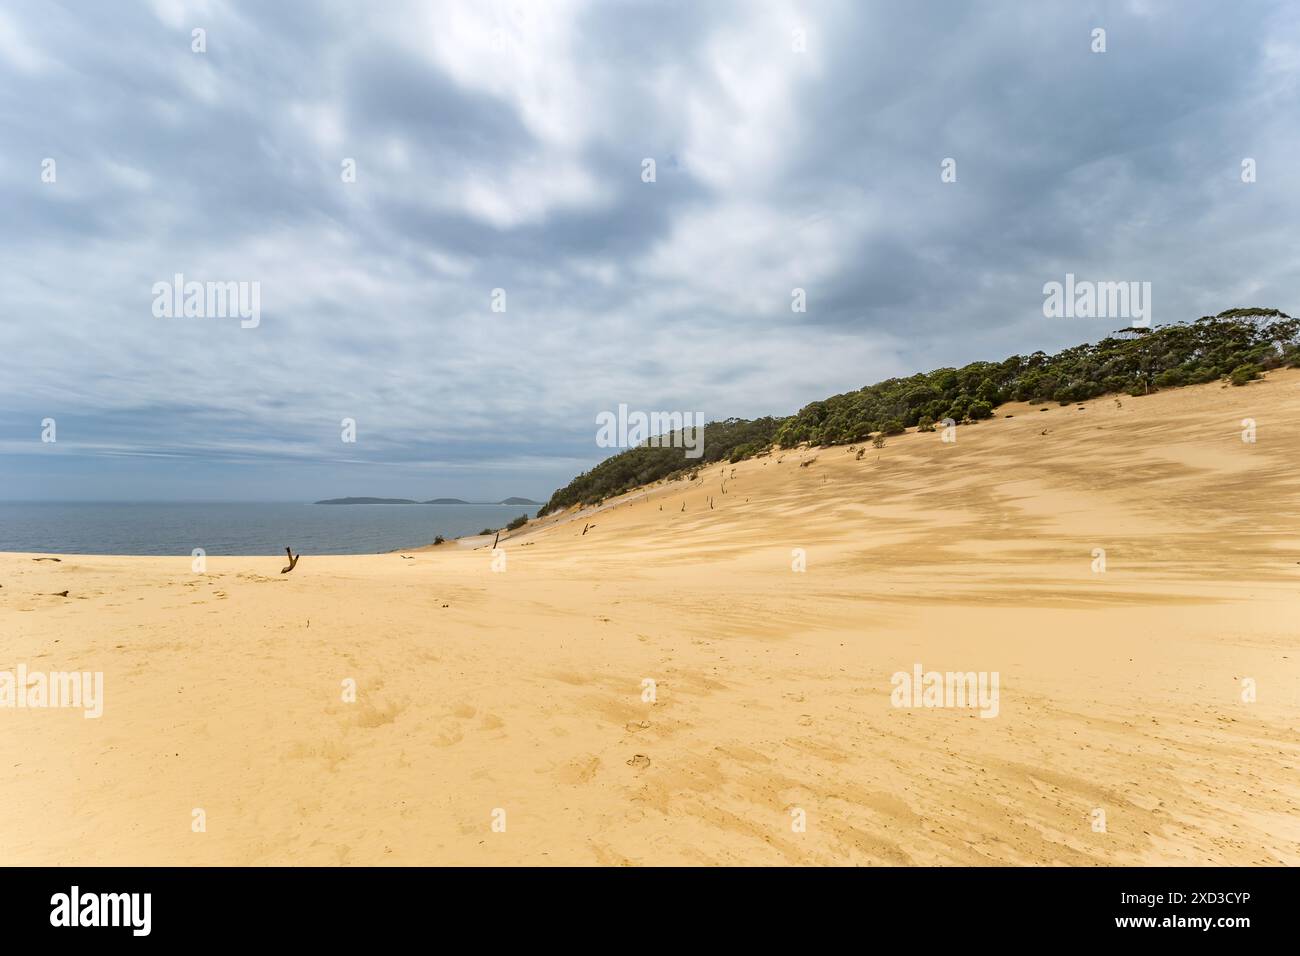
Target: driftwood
{"x":48,"y":559}
{"x":293,"y":561}
{"x":495,"y":540}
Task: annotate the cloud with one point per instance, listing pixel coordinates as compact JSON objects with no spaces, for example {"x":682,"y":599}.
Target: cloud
{"x":500,"y":146}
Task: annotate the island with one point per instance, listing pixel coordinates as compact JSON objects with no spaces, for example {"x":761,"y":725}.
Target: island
{"x":367,"y":501}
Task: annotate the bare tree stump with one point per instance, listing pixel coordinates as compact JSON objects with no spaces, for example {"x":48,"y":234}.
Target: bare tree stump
{"x":293,"y":561}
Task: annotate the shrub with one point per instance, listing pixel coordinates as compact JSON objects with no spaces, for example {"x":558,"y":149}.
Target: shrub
{"x":1243,"y":374}
{"x":1172,"y":377}
{"x":925,"y":425}
{"x":878,"y":441}
{"x":517,"y":523}
{"x":488,"y":531}
{"x":979,"y":409}
{"x":892,"y":427}
{"x":988,"y":392}
{"x":439,"y":540}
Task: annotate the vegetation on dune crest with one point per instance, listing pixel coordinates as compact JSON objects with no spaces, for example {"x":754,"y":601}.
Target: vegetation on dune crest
{"x":646,"y":463}
{"x":1236,"y":344}
{"x":1133,"y":361}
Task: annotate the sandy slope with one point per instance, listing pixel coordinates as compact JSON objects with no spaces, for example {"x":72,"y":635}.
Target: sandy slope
{"x":522,"y":690}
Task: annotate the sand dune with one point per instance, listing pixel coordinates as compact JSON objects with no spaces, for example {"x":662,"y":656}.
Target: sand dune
{"x":522,"y":690}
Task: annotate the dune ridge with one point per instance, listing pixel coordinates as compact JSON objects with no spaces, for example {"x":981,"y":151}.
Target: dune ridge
{"x":524,"y":690}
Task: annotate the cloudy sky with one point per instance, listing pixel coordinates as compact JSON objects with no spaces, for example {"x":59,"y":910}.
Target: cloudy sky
{"x":500,"y":145}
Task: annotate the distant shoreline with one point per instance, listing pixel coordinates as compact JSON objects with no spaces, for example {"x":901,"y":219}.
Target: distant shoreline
{"x":522,"y":502}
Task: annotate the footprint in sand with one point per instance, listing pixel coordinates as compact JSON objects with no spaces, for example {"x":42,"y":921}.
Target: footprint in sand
{"x":639,"y":762}
{"x":579,"y":771}
{"x":372,"y":716}
{"x":634,"y":726}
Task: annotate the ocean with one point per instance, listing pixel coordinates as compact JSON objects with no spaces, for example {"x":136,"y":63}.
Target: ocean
{"x":238,"y":528}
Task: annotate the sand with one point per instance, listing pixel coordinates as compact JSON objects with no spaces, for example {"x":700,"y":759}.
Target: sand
{"x":481,"y":691}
